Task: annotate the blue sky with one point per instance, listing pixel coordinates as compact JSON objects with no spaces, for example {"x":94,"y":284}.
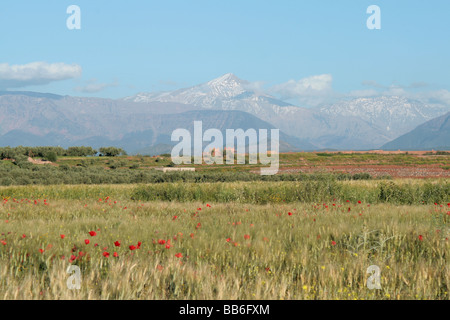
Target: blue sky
{"x":126,"y":47}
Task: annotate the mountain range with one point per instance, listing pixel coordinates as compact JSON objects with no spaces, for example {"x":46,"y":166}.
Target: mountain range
{"x":361,"y":123}
{"x":144,"y":122}
{"x":433,"y":134}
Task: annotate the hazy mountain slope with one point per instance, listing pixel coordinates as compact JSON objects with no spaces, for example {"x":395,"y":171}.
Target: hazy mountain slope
{"x":140,"y":121}
{"x":36,"y":119}
{"x":434,"y":134}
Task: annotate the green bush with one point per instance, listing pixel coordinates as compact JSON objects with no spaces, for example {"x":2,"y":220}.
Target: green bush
{"x":51,"y":156}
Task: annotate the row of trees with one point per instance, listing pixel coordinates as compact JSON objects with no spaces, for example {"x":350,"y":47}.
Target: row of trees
{"x":52,"y":153}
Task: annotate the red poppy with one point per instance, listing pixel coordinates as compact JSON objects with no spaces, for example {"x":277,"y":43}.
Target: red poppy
{"x":106,"y":254}
{"x":117,"y":244}
{"x":167,"y":246}
{"x":41,"y":250}
{"x":161,"y":242}
{"x":333,"y":243}
{"x":290,"y":213}
{"x":139,"y":244}
{"x":229,"y":239}
{"x":24,"y":236}
{"x":179,"y":255}
{"x":174,"y":217}
{"x":3,"y":242}
{"x":115,"y":254}
{"x":246,"y":236}
{"x":132,"y":247}
{"x":420,"y":237}
{"x":62,"y":236}
{"x":192,"y":235}
{"x":86,"y":241}
{"x":92,"y":233}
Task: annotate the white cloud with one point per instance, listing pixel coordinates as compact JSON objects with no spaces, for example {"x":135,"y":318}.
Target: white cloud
{"x":312,"y":91}
{"x":36,"y":73}
{"x":256,"y":86}
{"x":441,"y":96}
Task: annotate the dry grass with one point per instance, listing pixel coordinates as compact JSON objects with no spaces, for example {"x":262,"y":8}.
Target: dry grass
{"x":317,"y":252}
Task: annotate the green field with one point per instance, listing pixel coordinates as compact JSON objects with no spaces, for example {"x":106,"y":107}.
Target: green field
{"x":307,"y":239}
{"x":224,"y":231}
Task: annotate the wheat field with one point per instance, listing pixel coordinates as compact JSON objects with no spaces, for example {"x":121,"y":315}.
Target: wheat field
{"x":130,"y":249}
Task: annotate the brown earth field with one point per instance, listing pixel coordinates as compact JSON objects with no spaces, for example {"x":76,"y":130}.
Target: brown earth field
{"x":375,"y":167}
{"x":416,"y":171}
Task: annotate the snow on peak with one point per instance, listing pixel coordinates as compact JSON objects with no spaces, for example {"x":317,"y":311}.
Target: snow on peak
{"x":226,"y":78}
{"x":225,"y":86}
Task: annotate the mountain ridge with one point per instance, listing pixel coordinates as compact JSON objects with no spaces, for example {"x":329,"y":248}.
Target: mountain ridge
{"x":433,"y":134}
{"x":359,"y":123}
{"x":351,"y":124}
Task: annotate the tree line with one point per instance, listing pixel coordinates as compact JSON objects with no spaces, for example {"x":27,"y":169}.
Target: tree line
{"x":52,"y":153}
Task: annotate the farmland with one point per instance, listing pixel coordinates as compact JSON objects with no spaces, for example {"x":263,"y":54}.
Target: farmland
{"x":225,"y":233}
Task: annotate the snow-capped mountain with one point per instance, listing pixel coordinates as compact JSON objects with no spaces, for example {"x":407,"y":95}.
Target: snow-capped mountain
{"x":392,"y":115}
{"x":211,"y":93}
{"x":227,"y":92}
{"x":361,"y":123}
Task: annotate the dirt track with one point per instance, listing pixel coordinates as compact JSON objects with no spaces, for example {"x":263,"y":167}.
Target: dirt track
{"x":39,"y":161}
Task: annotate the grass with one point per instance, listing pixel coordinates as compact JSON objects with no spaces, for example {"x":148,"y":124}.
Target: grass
{"x":301,"y":159}
{"x":228,"y":250}
{"x":406,"y":192}
{"x":222,"y":232}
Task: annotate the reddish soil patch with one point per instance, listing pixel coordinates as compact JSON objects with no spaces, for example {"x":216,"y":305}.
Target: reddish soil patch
{"x":383,"y":152}
{"x":416,"y":171}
